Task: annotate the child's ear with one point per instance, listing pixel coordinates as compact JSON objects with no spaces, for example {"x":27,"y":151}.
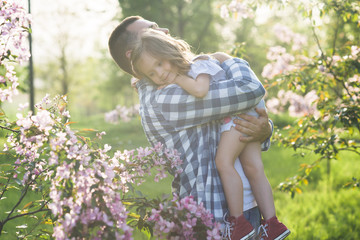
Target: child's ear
{"x":128,"y":54}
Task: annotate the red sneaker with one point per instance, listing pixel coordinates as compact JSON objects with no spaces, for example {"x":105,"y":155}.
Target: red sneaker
{"x":241,"y":229}
{"x":272,"y":229}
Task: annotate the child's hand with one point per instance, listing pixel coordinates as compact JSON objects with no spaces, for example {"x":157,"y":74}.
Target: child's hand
{"x":177,"y":80}
{"x":134,"y":81}
{"x":221,"y":57}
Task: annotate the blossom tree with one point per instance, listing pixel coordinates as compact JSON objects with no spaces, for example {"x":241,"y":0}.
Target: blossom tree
{"x":322,"y":87}
{"x":318,"y":83}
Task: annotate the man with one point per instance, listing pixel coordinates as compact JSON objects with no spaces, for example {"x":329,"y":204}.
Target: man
{"x":191,"y":125}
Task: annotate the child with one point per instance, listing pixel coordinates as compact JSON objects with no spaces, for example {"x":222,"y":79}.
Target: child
{"x":166,"y":60}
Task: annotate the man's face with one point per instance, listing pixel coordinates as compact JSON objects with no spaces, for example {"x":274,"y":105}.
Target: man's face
{"x":141,"y":24}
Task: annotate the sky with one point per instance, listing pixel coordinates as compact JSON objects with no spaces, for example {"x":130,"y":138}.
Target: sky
{"x":82,"y":26}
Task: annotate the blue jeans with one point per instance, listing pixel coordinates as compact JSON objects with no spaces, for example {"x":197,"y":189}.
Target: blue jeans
{"x":254,"y":217}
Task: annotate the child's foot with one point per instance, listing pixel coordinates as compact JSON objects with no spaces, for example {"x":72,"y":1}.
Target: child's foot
{"x":241,"y":229}
{"x":272,"y":229}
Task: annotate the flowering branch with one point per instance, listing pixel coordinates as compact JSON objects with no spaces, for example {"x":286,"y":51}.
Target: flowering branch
{"x":5,"y":188}
{"x":29,"y":213}
{"x":9,"y":129}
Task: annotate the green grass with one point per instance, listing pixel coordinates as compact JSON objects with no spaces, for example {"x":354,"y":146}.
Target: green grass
{"x":321,"y":214}
{"x":324,"y":210}
{"x":124,"y":135}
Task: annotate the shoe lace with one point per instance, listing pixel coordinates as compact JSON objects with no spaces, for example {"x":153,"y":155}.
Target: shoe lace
{"x":263,"y":230}
{"x":228,"y":228}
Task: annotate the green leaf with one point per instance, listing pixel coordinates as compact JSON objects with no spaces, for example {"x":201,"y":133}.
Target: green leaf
{"x":147,"y":231}
{"x":28,"y":205}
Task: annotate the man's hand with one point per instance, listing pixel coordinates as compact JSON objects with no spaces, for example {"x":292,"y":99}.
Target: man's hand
{"x":257,"y":128}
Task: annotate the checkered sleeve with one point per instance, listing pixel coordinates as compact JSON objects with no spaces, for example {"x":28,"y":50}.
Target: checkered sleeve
{"x":239,"y":92}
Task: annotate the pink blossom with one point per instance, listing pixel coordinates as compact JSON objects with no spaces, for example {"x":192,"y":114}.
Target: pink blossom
{"x":26,"y":123}
{"x":283,"y":33}
{"x":59,"y":233}
{"x":237,"y":8}
{"x":53,"y":158}
{"x":43,"y":121}
{"x":23,"y":106}
{"x":69,"y":221}
{"x":213,"y":234}
{"x":66,"y":114}
{"x":13,"y":42}
{"x":160,"y":175}
{"x":224,"y":11}
{"x":99,"y":135}
{"x":355,"y":52}
{"x":6,"y":147}
{"x":63,"y":171}
{"x":158,"y":147}
{"x":193,"y":214}
{"x":121,"y":113}
{"x":295,"y":104}
{"x":55,"y":208}
{"x":286,"y":35}
{"x":25,"y":177}
{"x":281,"y":62}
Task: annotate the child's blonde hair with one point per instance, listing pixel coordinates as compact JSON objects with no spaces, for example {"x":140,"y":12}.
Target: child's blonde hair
{"x":163,"y":47}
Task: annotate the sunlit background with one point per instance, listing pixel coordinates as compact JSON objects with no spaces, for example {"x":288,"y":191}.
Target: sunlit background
{"x":314,"y":157}
{"x":69,"y":44}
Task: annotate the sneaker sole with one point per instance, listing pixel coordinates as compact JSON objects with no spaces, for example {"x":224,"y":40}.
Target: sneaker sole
{"x":283,"y":235}
{"x":250,"y":235}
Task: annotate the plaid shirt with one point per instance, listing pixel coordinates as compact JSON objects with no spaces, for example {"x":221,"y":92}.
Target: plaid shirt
{"x":191,"y":126}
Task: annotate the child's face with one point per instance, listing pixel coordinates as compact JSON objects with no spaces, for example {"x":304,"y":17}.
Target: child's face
{"x":161,"y":72}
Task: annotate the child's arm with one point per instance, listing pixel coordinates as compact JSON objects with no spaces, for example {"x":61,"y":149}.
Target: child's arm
{"x":198,"y":87}
{"x":221,"y":57}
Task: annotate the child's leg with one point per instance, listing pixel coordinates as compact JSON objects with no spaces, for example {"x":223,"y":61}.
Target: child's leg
{"x":228,"y":150}
{"x":253,"y":167}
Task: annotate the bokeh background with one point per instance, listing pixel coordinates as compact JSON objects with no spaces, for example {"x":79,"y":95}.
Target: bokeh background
{"x":70,"y":57}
